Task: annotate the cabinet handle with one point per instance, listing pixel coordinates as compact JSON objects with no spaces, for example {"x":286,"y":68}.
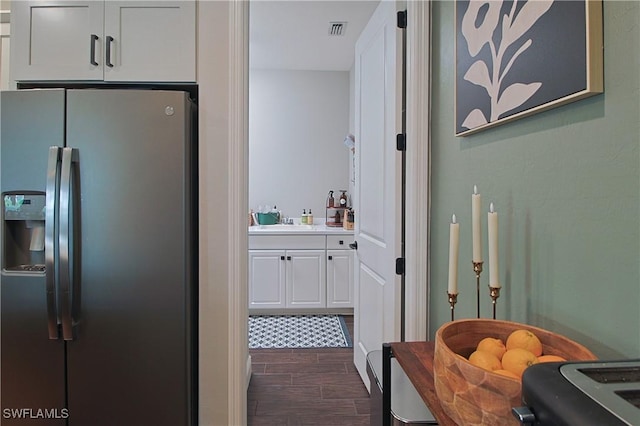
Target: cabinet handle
{"x":281,"y":257}
{"x":288,"y":257}
{"x":330,"y":257}
{"x":92,"y":59}
{"x":341,"y":242}
{"x":108,"y":59}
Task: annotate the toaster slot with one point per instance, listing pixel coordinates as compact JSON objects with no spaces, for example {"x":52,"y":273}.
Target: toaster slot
{"x":612,"y":374}
{"x":631,"y":396}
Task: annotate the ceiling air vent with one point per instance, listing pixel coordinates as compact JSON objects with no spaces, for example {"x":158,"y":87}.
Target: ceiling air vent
{"x":337,"y":28}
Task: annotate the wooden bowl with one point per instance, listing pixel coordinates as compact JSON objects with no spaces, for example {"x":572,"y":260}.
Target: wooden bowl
{"x":471,"y":395}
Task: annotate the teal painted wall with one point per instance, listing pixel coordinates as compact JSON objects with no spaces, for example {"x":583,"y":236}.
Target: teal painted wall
{"x":566,"y":185}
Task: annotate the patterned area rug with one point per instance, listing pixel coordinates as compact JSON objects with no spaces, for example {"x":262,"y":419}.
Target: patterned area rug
{"x":298,"y":331}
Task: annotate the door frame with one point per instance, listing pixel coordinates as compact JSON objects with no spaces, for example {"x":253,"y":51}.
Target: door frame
{"x":238,"y":359}
{"x":417,"y":190}
{"x":418,"y":177}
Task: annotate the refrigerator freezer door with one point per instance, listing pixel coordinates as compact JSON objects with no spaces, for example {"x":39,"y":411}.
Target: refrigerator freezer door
{"x":32,"y":365}
{"x":32,"y":121}
{"x":130,"y":361}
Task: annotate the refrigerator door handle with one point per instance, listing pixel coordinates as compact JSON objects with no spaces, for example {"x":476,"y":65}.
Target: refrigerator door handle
{"x":50,"y":241}
{"x":67,"y":276}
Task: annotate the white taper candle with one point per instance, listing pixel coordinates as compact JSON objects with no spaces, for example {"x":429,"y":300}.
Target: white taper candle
{"x":454,"y":243}
{"x":476,"y":226}
{"x":494,"y":272}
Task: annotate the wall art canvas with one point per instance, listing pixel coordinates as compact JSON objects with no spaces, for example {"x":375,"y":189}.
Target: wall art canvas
{"x":517,"y":58}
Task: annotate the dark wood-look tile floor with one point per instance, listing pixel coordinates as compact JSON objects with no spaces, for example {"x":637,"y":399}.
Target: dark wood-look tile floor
{"x":306,"y":387}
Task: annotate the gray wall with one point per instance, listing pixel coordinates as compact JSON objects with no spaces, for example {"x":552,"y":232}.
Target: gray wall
{"x":298,"y":121}
{"x":566,"y":186}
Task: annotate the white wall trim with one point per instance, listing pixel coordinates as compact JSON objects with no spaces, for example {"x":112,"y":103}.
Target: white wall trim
{"x":418,"y":169}
{"x":249,"y":371}
{"x":239,"y":359}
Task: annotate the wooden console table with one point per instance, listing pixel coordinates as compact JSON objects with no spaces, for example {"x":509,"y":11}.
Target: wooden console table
{"x":416,"y":359}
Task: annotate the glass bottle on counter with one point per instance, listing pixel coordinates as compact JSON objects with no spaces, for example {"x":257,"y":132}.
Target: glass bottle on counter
{"x":330,"y":200}
{"x":343,"y":198}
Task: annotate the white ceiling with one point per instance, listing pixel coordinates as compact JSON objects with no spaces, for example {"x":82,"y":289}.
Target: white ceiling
{"x":295,"y":34}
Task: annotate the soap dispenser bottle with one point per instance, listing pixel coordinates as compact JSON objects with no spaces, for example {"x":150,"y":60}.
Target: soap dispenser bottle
{"x":303,"y":218}
{"x":330,"y":201}
{"x":310,"y":218}
{"x":275,"y":214}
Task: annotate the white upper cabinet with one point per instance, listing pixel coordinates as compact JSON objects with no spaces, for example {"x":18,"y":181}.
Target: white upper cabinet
{"x":52,"y":40}
{"x":152,"y":41}
{"x":141,"y":41}
{"x":5,"y":82}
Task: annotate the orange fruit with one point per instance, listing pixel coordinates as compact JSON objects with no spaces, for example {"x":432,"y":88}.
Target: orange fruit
{"x":493,"y":345}
{"x":517,"y":360}
{"x":507,"y":373}
{"x":550,"y":358}
{"x":485,"y":360}
{"x":524,"y":339}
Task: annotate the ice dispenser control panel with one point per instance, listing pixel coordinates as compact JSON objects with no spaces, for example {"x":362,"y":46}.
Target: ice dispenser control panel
{"x":24,"y":206}
{"x":23,"y":232}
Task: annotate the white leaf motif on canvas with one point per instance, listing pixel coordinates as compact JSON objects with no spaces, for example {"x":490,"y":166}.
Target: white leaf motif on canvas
{"x":514,"y":26}
{"x":478,"y":74}
{"x":474,"y":119}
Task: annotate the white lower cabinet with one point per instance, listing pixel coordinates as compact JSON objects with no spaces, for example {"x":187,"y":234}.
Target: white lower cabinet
{"x":300,"y":272}
{"x":267,"y":279}
{"x":339,"y":279}
{"x":306,"y":279}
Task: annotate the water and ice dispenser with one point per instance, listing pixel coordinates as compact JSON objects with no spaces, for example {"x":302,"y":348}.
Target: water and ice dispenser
{"x":24,"y":232}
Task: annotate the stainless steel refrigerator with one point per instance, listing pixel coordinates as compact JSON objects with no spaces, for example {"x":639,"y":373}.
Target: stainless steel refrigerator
{"x":99,"y":258}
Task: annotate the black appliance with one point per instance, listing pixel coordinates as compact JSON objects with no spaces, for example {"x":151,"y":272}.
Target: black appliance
{"x":581,"y":393}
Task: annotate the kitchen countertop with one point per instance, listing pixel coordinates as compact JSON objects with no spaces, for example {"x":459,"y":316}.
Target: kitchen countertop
{"x":298,"y":230}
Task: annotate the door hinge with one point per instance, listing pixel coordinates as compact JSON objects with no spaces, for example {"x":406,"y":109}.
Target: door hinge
{"x":401,"y":142}
{"x":400,"y":266}
{"x":402,"y":19}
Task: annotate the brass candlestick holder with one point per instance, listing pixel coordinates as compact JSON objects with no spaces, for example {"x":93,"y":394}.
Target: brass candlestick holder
{"x":494,"y":292}
{"x":477,"y":268}
{"x":453,"y":299}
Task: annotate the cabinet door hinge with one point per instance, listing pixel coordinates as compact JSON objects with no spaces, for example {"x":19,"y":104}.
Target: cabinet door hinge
{"x":400,"y":266}
{"x":401,"y":142}
{"x":402,"y":19}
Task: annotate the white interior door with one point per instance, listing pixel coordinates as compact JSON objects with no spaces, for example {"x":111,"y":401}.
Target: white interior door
{"x":377,"y":186}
